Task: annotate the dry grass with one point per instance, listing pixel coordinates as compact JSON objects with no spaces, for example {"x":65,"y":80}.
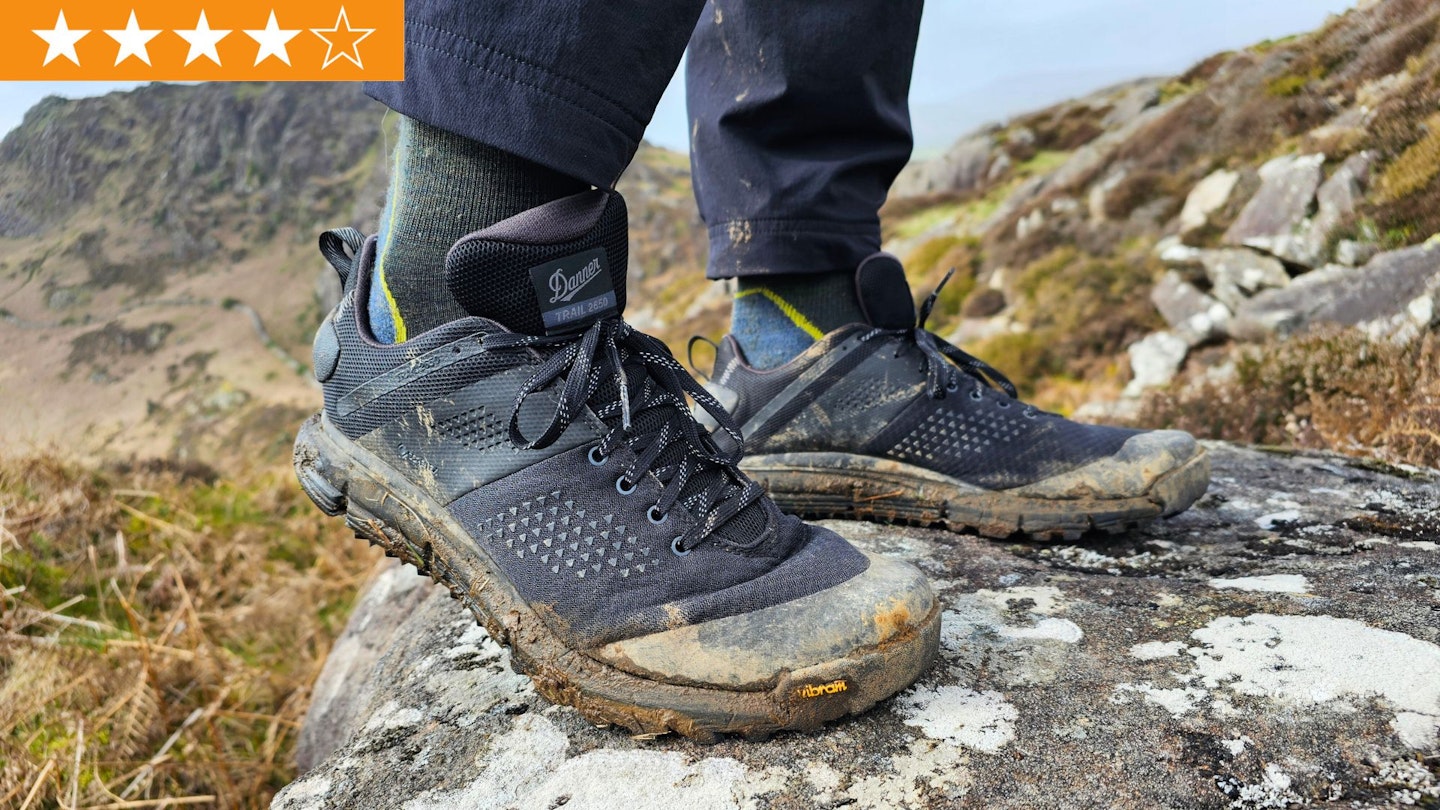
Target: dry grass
{"x":160,"y":631}
{"x":1334,"y":390}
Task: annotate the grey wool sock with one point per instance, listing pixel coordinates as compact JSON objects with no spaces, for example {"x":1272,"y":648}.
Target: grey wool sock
{"x":776,"y":317}
{"x":444,"y":187}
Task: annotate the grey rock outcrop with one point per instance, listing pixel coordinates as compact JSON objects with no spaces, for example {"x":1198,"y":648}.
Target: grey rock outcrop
{"x":1272,"y":218}
{"x":1193,"y":315}
{"x":1207,"y":197}
{"x":1154,"y":361}
{"x":1346,"y":296}
{"x":1273,"y":646}
{"x":1237,"y":274}
{"x":964,"y":166}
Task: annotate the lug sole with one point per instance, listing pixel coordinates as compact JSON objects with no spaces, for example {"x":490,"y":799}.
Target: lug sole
{"x":344,"y":479}
{"x":847,"y":486}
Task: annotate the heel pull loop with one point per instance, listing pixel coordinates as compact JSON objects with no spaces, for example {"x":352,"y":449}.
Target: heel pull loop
{"x":340,"y":247}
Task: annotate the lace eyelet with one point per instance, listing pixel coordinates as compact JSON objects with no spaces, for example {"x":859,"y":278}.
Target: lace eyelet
{"x":1030,"y":413}
{"x":624,"y":486}
{"x":654,"y":515}
{"x":675,"y":547}
{"x":976,"y":395}
{"x":595,"y":457}
{"x":952,"y":386}
{"x":1004,"y":403}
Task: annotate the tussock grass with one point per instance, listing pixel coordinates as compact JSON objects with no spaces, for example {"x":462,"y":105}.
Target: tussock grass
{"x":1329,"y":389}
{"x":160,"y":628}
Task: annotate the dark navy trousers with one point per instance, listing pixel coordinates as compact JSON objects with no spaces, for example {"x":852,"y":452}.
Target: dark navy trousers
{"x":798,"y":113}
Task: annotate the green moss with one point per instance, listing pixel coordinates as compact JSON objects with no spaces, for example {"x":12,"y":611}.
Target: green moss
{"x":1044,"y":162}
{"x":925,"y":219}
{"x":1416,"y":167}
{"x":1286,"y":86}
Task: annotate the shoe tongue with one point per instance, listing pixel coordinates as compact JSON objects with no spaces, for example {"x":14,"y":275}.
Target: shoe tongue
{"x":554,"y":269}
{"x":884,"y":292}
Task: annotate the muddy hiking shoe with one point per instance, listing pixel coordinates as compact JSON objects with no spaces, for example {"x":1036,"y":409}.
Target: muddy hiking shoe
{"x":886,"y":421}
{"x":539,"y":459}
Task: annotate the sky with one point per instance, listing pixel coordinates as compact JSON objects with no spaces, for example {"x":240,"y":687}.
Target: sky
{"x":985,"y":60}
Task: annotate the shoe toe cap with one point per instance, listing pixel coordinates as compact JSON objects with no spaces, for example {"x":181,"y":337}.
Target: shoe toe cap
{"x":888,"y":605}
{"x":1141,"y":467}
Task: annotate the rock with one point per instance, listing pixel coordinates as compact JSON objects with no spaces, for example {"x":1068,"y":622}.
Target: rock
{"x":1030,"y":223}
{"x":1335,"y":203}
{"x":1207,"y":197}
{"x":963,"y":167}
{"x":1279,"y":639}
{"x":1353,"y":254}
{"x":1346,"y":296}
{"x":1193,"y":315}
{"x":1271,"y":219}
{"x":1154,"y":359}
{"x":1095,"y":199}
{"x":1235,"y":275}
{"x":334,"y":706}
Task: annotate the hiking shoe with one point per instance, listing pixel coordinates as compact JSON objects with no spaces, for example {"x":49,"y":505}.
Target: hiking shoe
{"x":539,"y":459}
{"x":886,"y":421}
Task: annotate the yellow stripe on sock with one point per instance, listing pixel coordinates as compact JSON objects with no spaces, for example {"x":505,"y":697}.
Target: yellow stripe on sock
{"x":380,"y":263}
{"x":795,"y":316}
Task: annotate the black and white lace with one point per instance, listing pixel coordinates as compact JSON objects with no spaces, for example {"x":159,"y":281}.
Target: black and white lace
{"x":608,"y":350}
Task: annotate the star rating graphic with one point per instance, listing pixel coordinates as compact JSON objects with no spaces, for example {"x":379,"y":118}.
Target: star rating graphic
{"x":272,"y":41}
{"x":344,"y":34}
{"x":62,"y":39}
{"x":203,"y":39}
{"x":132,"y":41}
{"x":209,"y":45}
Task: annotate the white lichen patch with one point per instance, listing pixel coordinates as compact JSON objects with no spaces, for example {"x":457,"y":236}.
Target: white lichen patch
{"x":1309,"y":660}
{"x":1270,"y":521}
{"x":1047,"y":629}
{"x":1272,"y":792}
{"x":982,"y":721}
{"x":518,"y":764}
{"x":1268,"y":583}
{"x":634,"y":779}
{"x":392,"y":716}
{"x":1175,"y":701}
{"x":929,"y":767}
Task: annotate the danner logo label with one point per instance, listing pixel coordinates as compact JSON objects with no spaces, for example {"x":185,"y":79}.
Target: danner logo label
{"x":574,"y":291}
{"x":565,"y":286}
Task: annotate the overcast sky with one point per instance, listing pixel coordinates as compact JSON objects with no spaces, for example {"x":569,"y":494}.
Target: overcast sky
{"x":983,"y":60}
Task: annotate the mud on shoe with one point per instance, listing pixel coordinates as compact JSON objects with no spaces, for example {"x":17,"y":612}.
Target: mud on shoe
{"x":538,"y":459}
{"x":886,"y":421}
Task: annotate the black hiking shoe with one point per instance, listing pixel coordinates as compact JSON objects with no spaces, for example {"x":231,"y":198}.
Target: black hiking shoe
{"x":539,"y":460}
{"x":885,"y":421}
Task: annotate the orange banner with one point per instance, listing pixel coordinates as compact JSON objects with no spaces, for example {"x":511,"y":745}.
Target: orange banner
{"x":203,"y":40}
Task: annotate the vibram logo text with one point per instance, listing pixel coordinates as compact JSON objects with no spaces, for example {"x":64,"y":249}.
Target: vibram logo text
{"x":811,"y":690}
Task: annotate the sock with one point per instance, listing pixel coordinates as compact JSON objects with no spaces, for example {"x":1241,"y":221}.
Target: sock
{"x":776,"y":317}
{"x":442,"y":188}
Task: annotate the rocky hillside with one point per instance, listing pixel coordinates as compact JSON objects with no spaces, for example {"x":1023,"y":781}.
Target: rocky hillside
{"x":158,"y":278}
{"x":1192,"y":250}
{"x":1260,"y":225}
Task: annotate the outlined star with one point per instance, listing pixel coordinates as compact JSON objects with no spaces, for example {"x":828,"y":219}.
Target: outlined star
{"x":132,"y":41}
{"x":61,"y":39}
{"x":272,"y":39}
{"x":346,"y":37}
{"x":203,"y":39}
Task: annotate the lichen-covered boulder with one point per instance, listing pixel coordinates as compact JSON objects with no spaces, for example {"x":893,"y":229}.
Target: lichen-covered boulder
{"x":1276,"y":645}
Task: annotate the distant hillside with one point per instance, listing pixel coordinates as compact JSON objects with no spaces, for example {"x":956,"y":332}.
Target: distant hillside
{"x":158,"y":278}
{"x":160,"y":284}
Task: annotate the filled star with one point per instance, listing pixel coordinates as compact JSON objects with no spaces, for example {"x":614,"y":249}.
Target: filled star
{"x":272,"y":39}
{"x":132,"y":41}
{"x":203,"y":39}
{"x":61,"y":39}
{"x":342,"y":41}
